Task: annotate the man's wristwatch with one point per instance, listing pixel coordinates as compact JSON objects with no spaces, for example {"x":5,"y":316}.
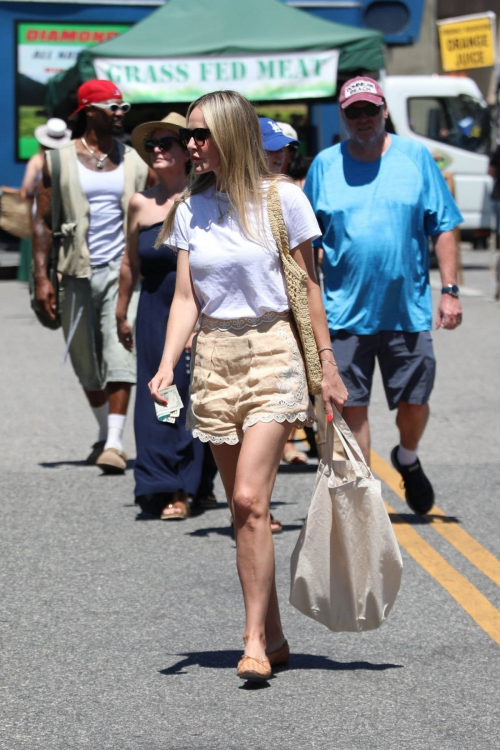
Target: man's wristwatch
{"x":451,"y":289}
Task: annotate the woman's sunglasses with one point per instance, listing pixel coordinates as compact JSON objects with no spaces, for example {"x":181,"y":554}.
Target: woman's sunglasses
{"x":353,"y":113}
{"x":164,"y":144}
{"x":199,"y":135}
{"x":124,"y":106}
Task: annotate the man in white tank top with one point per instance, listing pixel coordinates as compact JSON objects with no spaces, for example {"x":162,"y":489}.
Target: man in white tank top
{"x":97,"y":177}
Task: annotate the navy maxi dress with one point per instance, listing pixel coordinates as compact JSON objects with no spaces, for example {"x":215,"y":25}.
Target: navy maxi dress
{"x":168,"y":459}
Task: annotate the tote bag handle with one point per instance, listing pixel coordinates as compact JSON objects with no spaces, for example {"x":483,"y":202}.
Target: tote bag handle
{"x":353,"y":452}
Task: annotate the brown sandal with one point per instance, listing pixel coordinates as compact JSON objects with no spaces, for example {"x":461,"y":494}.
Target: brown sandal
{"x":276,"y":526}
{"x":293,"y":456}
{"x":180,"y":501}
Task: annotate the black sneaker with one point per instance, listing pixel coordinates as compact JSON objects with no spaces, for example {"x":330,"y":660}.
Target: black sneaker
{"x":418,"y":490}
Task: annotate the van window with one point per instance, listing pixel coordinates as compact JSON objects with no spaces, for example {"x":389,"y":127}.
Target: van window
{"x":459,"y":121}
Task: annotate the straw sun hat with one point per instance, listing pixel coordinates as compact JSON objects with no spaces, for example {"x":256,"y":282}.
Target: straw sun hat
{"x":173,"y":121}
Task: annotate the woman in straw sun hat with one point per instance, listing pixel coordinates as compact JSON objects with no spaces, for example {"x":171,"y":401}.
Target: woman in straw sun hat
{"x":248,"y":384}
{"x":169,"y":460}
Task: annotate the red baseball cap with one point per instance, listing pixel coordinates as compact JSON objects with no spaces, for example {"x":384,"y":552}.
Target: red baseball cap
{"x":96,"y":90}
{"x":360,"y":89}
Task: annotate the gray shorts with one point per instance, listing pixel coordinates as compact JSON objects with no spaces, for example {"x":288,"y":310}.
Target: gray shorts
{"x":406,"y":362}
{"x":88,"y":308}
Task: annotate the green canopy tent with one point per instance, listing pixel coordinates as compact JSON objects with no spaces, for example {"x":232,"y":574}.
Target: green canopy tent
{"x":263,"y":48}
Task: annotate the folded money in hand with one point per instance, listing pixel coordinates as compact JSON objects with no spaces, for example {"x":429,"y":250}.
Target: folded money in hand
{"x":171,"y":410}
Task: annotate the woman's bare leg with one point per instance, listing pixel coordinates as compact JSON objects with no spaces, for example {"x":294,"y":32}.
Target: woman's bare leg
{"x":273,"y":628}
{"x":226,"y":458}
{"x":256,"y":462}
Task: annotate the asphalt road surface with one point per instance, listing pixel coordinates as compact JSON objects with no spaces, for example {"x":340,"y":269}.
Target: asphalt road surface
{"x":124,"y":634}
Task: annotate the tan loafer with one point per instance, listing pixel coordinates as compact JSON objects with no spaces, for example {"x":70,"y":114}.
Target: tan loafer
{"x":280,"y":656}
{"x":112,"y":461}
{"x":254,"y":670}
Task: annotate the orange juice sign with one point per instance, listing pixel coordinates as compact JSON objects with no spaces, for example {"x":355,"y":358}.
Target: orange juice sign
{"x":467,"y":42}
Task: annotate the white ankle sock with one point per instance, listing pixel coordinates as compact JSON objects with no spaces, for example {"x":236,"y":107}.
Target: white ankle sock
{"x":101,"y":414}
{"x":116,"y":425}
{"x":406,"y":457}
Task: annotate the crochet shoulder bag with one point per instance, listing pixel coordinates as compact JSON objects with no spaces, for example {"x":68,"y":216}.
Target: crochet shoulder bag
{"x":296,"y":284}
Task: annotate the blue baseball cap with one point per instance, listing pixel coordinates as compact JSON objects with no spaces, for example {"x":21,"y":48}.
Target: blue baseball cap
{"x":273,"y":137}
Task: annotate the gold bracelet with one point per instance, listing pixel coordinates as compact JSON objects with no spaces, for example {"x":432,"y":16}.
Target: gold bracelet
{"x":330,"y":362}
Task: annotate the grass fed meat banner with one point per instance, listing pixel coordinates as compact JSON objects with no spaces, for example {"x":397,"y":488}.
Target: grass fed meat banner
{"x":295,"y":75}
{"x":44,"y":49}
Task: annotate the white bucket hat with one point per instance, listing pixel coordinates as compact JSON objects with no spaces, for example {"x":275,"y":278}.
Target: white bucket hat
{"x":54,"y":134}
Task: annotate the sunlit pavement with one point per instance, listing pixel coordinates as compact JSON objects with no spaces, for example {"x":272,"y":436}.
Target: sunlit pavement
{"x":123,"y":633}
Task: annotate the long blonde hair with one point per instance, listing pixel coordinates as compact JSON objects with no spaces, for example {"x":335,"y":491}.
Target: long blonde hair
{"x":235,"y":130}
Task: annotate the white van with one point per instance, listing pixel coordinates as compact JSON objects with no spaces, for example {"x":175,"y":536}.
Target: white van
{"x":450,"y":116}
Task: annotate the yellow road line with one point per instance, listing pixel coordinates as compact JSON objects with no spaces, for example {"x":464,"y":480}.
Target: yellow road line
{"x":462,"y":590}
{"x":474,"y":552}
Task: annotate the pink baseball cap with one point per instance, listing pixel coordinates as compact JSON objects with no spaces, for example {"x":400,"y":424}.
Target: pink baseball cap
{"x":96,"y":90}
{"x":360,"y":89}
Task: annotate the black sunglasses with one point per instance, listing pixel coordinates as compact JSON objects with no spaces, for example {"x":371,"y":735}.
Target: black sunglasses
{"x":164,"y":144}
{"x":353,"y":112}
{"x":199,"y":135}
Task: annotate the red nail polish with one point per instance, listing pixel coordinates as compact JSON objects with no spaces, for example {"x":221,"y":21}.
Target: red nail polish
{"x":329,"y":417}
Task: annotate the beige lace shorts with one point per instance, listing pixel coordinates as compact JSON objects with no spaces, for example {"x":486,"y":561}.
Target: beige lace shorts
{"x":246,"y":371}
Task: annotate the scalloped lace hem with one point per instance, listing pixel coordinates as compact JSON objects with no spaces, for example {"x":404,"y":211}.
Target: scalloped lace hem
{"x":305,"y":417}
{"x":205,"y":438}
{"x":302,"y":416}
{"x":237,"y":324}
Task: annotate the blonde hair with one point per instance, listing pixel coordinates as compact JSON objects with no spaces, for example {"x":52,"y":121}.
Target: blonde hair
{"x":235,"y":130}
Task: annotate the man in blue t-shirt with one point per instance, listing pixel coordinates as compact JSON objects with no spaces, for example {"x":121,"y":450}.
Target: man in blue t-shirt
{"x":378,"y":198}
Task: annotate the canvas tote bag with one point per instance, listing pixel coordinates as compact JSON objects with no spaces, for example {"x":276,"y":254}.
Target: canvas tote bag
{"x":346,"y":566}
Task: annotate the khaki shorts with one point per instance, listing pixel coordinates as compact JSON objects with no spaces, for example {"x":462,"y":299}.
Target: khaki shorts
{"x":246,"y":371}
{"x":88,"y":316}
{"x":406,"y":360}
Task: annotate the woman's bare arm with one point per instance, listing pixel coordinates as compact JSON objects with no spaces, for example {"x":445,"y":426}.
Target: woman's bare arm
{"x":184,"y":313}
{"x":30,"y":179}
{"x":333,"y":389}
{"x":129,"y":272}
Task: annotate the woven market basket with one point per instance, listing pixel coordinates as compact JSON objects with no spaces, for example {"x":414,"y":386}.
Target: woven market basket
{"x":15,"y":213}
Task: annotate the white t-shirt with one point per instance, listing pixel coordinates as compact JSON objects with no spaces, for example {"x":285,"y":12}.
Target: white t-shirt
{"x":235,"y":276}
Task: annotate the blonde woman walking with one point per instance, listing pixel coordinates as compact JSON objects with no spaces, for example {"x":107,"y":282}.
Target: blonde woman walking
{"x":248,"y":384}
